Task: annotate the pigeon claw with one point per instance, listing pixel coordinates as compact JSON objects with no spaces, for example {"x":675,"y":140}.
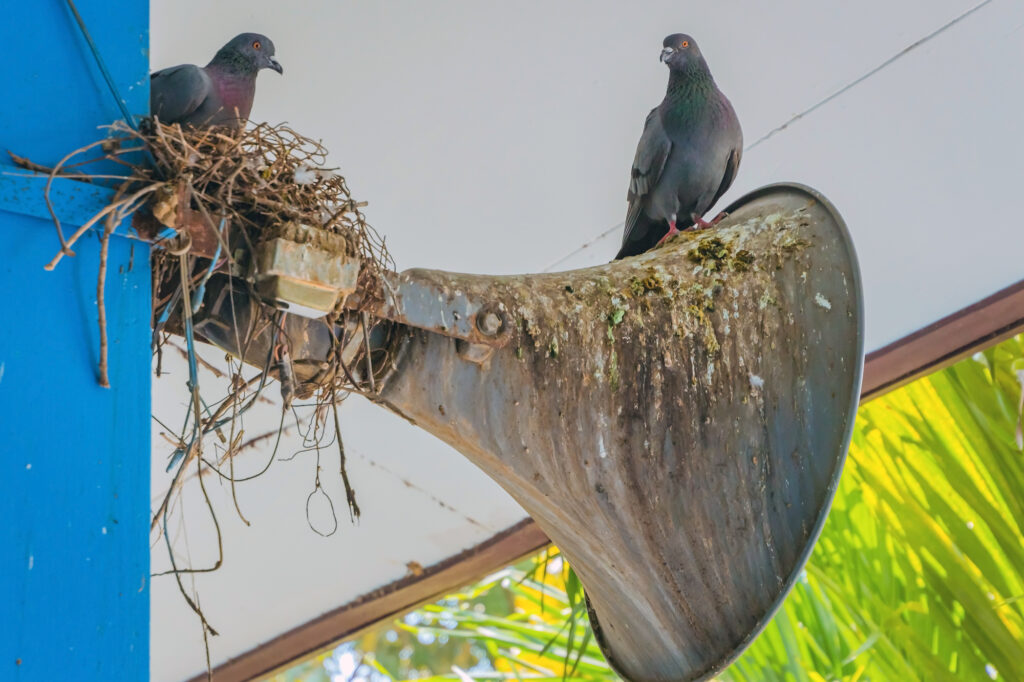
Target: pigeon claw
{"x":668,"y":235}
{"x":701,"y":224}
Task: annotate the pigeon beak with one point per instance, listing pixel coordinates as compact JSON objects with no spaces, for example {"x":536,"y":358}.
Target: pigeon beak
{"x":276,"y":65}
{"x":666,"y":53}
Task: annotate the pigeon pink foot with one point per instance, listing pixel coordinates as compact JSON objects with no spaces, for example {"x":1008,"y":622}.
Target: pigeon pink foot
{"x":671,"y":232}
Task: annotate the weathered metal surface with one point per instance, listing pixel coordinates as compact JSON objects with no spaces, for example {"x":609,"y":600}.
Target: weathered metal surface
{"x":305,"y":270}
{"x":675,"y":422}
{"x":226,"y":317}
{"x":434,"y":301}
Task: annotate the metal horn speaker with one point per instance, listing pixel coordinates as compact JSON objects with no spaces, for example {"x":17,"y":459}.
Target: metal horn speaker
{"x":675,"y":422}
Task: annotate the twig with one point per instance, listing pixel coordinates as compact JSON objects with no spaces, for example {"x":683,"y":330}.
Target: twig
{"x":233,"y":442}
{"x":28,"y":165}
{"x":114,"y":208}
{"x":369,"y":354}
{"x":211,"y":368}
{"x":104,"y":379}
{"x":64,"y":246}
{"x":320,"y":488}
{"x":101,"y":281}
{"x":350,"y":494}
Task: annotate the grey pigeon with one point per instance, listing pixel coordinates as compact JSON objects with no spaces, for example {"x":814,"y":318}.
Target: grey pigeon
{"x":688,"y":154}
{"x":219,"y":94}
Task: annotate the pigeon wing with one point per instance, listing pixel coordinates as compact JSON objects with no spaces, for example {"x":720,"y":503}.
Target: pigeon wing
{"x":177,"y":92}
{"x":651,"y":154}
{"x":731,"y":168}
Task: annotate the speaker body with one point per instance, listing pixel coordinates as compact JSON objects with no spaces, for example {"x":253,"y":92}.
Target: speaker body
{"x":675,"y":422}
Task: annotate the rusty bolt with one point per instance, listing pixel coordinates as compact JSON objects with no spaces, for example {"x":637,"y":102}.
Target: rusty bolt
{"x":488,"y":323}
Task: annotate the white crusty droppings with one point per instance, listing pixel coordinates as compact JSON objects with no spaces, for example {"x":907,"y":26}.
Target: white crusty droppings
{"x":822,"y":301}
{"x":304,"y":175}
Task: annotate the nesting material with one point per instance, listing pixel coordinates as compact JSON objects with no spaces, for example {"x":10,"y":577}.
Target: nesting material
{"x":264,"y":184}
{"x":252,"y":211}
{"x":258,"y":205}
{"x":250,"y":230}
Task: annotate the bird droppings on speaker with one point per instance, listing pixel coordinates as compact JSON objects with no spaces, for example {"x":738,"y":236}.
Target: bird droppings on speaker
{"x":676,"y":422}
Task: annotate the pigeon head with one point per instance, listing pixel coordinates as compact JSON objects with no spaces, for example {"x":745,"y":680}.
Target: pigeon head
{"x":249,"y":52}
{"x":679,"y":51}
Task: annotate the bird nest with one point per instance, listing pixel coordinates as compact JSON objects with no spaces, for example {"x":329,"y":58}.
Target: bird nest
{"x":235,"y":210}
{"x":250,"y":230}
{"x":259,"y":207}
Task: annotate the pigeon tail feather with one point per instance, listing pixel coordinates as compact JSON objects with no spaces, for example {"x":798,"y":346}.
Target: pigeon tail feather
{"x":643,"y":235}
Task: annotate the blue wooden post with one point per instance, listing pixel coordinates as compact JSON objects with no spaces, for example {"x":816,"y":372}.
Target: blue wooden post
{"x":74,"y":457}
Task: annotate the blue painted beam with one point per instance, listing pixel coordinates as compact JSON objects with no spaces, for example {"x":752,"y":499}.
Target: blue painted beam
{"x":74,"y":461}
{"x":23,"y":192}
{"x":74,"y":457}
{"x":54,"y":97}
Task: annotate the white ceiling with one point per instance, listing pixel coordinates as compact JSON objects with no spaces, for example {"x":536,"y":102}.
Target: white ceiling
{"x":497,"y":138}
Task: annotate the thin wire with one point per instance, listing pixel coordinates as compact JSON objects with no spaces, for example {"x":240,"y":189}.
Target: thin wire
{"x":103,"y":67}
{"x":201,"y":290}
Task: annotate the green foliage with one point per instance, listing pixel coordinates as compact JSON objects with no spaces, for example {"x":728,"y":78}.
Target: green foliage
{"x":542,"y":634}
{"x":918,"y":574}
{"x":919,"y":571}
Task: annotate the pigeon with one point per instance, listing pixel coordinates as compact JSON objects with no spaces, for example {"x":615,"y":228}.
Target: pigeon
{"x":219,"y":94}
{"x":688,"y":154}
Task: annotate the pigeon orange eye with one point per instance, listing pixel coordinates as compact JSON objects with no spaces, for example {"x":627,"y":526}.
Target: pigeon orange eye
{"x":686,"y":43}
{"x":256,"y":44}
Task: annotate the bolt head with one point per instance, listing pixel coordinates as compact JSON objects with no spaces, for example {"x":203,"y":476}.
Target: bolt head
{"x":489,"y":323}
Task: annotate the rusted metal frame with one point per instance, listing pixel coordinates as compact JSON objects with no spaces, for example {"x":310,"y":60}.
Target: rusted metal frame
{"x":428,"y":300}
{"x":942,"y":343}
